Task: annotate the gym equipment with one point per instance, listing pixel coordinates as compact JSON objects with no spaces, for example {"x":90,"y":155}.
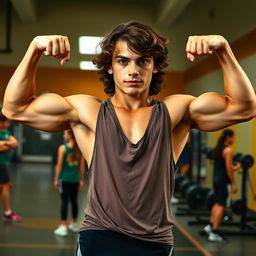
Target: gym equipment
{"x":210,"y":199}
{"x":184,"y":185}
{"x":236,"y":206}
{"x":195,"y":196}
{"x":178,"y":179}
{"x":246,"y":161}
{"x":208,"y":152}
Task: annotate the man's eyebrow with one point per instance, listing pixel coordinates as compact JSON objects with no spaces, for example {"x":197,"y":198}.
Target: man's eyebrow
{"x":121,"y":57}
{"x":141,"y":57}
{"x":145,"y":56}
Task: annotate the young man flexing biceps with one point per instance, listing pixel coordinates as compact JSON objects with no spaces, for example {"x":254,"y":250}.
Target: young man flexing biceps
{"x":138,"y":138}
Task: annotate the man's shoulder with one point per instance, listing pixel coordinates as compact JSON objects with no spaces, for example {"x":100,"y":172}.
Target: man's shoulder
{"x":179,"y":102}
{"x":178,"y":107}
{"x":83,"y":99}
{"x":178,"y":98}
{"x":85,"y":108}
{"x":84,"y":103}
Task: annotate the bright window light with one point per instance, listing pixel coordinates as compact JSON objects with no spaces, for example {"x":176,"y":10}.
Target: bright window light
{"x":89,"y":44}
{"x":87,"y":65}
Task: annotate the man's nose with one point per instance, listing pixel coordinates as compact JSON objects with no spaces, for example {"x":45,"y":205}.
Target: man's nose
{"x":133,"y":69}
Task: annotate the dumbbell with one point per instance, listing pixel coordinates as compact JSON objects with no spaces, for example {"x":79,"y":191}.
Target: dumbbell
{"x":184,"y":185}
{"x":195,"y":196}
{"x":209,"y":199}
{"x":246,"y":161}
{"x":237,"y":158}
{"x":208,"y":152}
{"x":236,"y":206}
{"x":178,"y":179}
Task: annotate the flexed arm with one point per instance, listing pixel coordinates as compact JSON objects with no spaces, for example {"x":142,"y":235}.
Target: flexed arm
{"x":212,"y":111}
{"x":48,"y":112}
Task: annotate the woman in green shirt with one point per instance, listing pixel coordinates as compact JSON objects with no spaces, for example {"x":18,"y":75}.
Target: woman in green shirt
{"x":69,"y":176}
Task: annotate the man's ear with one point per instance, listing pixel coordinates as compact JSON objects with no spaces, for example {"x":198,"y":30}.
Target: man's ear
{"x":155,"y":70}
{"x":110,"y":71}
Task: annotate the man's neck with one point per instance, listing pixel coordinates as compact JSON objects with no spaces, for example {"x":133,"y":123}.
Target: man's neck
{"x":131,"y":103}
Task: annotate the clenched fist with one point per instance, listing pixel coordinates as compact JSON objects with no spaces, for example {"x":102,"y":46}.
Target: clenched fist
{"x":203,"y":45}
{"x":56,"y":46}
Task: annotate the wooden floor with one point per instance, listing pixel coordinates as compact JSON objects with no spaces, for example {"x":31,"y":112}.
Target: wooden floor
{"x":34,"y":197}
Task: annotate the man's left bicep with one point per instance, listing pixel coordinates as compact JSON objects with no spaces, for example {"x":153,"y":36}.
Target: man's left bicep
{"x":213,"y":111}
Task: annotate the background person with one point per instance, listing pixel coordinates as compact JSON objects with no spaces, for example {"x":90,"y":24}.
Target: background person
{"x":69,"y":177}
{"x":7,"y":144}
{"x":222,"y":178}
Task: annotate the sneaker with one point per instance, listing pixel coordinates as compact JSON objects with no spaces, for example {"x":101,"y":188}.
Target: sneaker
{"x":174,"y":200}
{"x":208,"y":229}
{"x":62,"y":230}
{"x":12,"y":217}
{"x":74,"y":227}
{"x":216,"y":237}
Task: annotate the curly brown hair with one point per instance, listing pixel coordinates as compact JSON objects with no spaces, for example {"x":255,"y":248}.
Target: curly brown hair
{"x":142,"y":40}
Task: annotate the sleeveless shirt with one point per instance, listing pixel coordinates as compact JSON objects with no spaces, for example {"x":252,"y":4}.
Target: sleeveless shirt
{"x":131,"y":184}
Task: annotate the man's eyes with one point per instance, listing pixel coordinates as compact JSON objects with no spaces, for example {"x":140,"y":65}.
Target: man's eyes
{"x":143,"y":61}
{"x":139,"y":62}
{"x":122,"y":61}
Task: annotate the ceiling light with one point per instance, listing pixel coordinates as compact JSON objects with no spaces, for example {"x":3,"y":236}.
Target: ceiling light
{"x":89,"y":44}
{"x":87,"y":65}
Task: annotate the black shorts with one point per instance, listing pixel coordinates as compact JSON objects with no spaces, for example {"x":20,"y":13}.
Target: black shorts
{"x":4,"y":174}
{"x":221,"y":192}
{"x":110,"y":243}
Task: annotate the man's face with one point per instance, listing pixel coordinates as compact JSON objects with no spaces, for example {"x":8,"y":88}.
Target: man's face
{"x":132,"y":72}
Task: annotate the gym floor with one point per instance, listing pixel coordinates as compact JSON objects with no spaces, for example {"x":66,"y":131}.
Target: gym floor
{"x":34,"y":198}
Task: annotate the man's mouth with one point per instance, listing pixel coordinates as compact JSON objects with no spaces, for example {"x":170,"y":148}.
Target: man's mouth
{"x":133,"y":82}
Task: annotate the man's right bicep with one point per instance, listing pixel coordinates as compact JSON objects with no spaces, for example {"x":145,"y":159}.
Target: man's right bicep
{"x":48,"y":112}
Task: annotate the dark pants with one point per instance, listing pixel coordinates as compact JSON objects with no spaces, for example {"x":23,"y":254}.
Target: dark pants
{"x":4,"y":174}
{"x":109,"y":243}
{"x":68,"y":192}
{"x":221,"y":192}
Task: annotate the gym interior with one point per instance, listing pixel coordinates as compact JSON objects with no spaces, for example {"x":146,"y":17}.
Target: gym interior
{"x":32,"y":170}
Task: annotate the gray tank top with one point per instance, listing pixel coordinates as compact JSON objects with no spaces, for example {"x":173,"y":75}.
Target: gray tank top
{"x":131,"y":184}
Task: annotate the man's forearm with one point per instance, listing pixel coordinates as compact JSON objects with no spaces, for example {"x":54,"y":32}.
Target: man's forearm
{"x":237,"y":85}
{"x":21,"y":87}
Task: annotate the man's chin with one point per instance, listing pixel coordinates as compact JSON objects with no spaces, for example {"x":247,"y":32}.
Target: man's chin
{"x":133,"y":92}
